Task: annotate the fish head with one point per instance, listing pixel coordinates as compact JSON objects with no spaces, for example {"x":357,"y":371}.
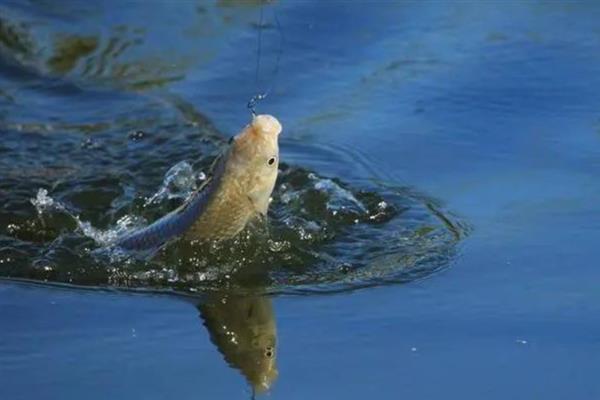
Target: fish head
{"x":254,"y":160}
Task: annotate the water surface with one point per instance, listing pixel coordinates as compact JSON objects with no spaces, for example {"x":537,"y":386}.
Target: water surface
{"x":476,"y":124}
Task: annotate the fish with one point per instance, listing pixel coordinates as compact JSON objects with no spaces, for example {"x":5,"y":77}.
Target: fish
{"x":237,"y":192}
{"x":244,"y":330}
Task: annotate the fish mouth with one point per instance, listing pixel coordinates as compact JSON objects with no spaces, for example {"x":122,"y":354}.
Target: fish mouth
{"x":266,"y":124}
{"x":263,"y":131}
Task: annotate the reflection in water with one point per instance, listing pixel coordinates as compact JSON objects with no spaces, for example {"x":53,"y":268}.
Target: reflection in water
{"x":69,"y":50}
{"x":116,"y":59}
{"x":15,"y":38}
{"x":244,"y":331}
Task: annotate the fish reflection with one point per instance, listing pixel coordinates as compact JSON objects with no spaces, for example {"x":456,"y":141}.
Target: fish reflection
{"x":243,"y":329}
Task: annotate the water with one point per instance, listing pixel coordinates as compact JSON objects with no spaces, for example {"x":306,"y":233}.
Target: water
{"x":440,"y":157}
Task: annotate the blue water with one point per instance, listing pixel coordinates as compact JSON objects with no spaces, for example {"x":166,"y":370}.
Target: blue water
{"x":491,"y":108}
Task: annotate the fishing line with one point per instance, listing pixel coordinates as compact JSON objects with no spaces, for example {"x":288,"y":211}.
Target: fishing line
{"x":259,"y":47}
{"x":262,"y":95}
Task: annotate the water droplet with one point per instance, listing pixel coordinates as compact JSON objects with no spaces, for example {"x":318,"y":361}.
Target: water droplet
{"x":137,"y":135}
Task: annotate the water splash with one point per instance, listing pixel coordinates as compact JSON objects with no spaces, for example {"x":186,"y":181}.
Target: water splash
{"x":322,"y":235}
{"x":179,"y":182}
{"x":339,"y":198}
{"x":108,"y":237}
{"x":44,"y":203}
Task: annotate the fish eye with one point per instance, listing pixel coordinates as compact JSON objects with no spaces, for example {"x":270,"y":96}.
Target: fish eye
{"x":271,"y":161}
{"x":269,"y":352}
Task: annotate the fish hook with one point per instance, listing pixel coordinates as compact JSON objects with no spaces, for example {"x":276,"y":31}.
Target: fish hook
{"x":261,"y":96}
{"x":254,"y":100}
